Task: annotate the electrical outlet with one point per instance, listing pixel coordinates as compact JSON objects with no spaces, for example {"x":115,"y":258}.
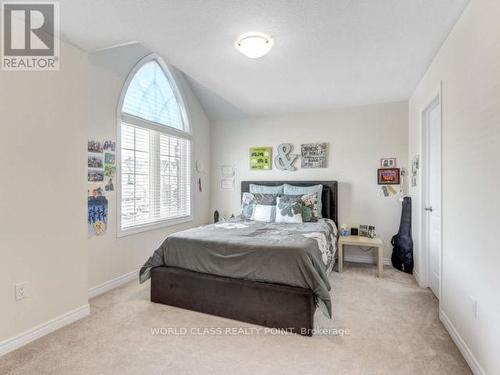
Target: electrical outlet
{"x":21,"y":290}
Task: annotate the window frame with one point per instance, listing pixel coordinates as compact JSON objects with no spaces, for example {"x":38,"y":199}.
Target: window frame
{"x":122,"y":117}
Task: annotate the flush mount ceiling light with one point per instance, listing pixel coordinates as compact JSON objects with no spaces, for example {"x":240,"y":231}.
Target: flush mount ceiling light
{"x":254,"y":45}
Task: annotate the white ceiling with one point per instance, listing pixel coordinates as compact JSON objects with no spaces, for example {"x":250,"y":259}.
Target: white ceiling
{"x":327,"y":53}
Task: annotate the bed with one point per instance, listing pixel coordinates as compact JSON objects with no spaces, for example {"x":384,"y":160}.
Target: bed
{"x":261,"y":273}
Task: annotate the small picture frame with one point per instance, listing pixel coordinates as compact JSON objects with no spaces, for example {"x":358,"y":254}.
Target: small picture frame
{"x":388,"y":163}
{"x":388,"y":176}
{"x":363,"y":231}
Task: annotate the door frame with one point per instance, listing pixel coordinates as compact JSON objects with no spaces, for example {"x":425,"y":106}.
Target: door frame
{"x":435,"y":100}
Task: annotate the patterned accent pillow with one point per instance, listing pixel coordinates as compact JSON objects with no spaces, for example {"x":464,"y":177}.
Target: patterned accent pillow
{"x":265,"y":199}
{"x":264,"y":189}
{"x":310,"y":212}
{"x":247,"y":205}
{"x":289,"y":209}
{"x":249,"y":201}
{"x":302,"y":190}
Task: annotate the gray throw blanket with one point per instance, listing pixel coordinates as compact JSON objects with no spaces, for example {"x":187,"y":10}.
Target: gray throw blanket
{"x":290,"y":254}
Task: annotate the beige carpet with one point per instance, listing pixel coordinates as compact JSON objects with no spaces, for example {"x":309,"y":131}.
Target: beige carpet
{"x":392,"y":327}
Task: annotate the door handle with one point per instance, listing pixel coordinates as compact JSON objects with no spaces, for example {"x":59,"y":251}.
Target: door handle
{"x":428,"y":208}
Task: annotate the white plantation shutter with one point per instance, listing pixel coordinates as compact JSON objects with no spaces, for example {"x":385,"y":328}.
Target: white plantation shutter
{"x":155,"y":165}
{"x":175,"y":177}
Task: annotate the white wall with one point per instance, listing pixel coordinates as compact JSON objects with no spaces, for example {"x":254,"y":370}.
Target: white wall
{"x":43,"y":192}
{"x":358,"y":138}
{"x":468,"y":65}
{"x":109,"y":256}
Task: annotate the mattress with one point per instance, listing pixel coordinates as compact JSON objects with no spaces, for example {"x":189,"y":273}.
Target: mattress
{"x":298,"y":255}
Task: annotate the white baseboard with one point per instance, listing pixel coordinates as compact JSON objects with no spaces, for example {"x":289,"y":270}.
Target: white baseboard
{"x":462,"y":346}
{"x":416,"y":275}
{"x":365,"y":259}
{"x":113,"y":283}
{"x":65,"y":319}
{"x":418,"y":279}
{"x":43,"y":329}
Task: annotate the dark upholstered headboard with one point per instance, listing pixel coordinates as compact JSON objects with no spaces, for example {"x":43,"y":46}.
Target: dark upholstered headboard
{"x":329,"y":196}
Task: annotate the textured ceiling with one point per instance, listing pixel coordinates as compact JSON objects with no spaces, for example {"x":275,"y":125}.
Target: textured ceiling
{"x":327,"y":53}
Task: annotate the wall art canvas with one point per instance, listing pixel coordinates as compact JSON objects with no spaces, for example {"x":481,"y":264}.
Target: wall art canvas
{"x":285,"y":159}
{"x":314,"y":155}
{"x":261,"y":158}
{"x":97,"y":220}
{"x":388,"y":176}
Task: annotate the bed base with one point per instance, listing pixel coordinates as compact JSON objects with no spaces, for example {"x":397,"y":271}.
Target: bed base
{"x":265,"y":304}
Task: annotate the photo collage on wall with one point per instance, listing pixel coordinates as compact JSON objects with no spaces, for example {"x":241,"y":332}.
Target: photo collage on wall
{"x":101,"y":163}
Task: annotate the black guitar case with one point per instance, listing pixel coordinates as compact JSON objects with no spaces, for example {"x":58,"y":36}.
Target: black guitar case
{"x":402,"y":253}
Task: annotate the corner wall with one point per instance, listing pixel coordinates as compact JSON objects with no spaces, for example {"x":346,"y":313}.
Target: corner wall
{"x":43,"y":193}
{"x":468,"y":65}
{"x":111,"y":258}
{"x":358,"y":137}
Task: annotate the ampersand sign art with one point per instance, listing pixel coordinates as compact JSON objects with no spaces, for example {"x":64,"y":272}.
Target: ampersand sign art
{"x":285,"y":159}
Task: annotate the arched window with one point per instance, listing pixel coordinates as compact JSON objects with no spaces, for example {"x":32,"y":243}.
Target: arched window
{"x":155,"y":150}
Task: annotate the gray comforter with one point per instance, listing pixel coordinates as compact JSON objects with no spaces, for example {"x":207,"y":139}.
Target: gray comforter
{"x":291,"y":254}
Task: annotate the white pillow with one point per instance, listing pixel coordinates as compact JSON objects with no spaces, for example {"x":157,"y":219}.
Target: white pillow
{"x":295,"y":219}
{"x":264,"y":213}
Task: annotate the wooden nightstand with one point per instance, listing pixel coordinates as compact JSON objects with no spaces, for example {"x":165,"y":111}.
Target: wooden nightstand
{"x":362,"y":242}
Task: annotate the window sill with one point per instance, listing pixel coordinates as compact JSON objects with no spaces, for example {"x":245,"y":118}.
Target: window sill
{"x":153,"y":226}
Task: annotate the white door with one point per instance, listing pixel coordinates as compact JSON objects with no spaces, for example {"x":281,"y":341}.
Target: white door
{"x":433,"y":195}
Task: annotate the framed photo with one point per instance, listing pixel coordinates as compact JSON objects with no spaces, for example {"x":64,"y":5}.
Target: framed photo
{"x":363,"y":231}
{"x":261,"y":158}
{"x":388,"y":163}
{"x":388,"y":176}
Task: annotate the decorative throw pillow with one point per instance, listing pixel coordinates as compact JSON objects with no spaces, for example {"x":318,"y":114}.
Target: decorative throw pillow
{"x":264,"y":213}
{"x":247,"y":204}
{"x":303,"y":190}
{"x":250,"y":201}
{"x":289,"y":209}
{"x":265,"y":199}
{"x":310,"y":211}
{"x":263,"y":189}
